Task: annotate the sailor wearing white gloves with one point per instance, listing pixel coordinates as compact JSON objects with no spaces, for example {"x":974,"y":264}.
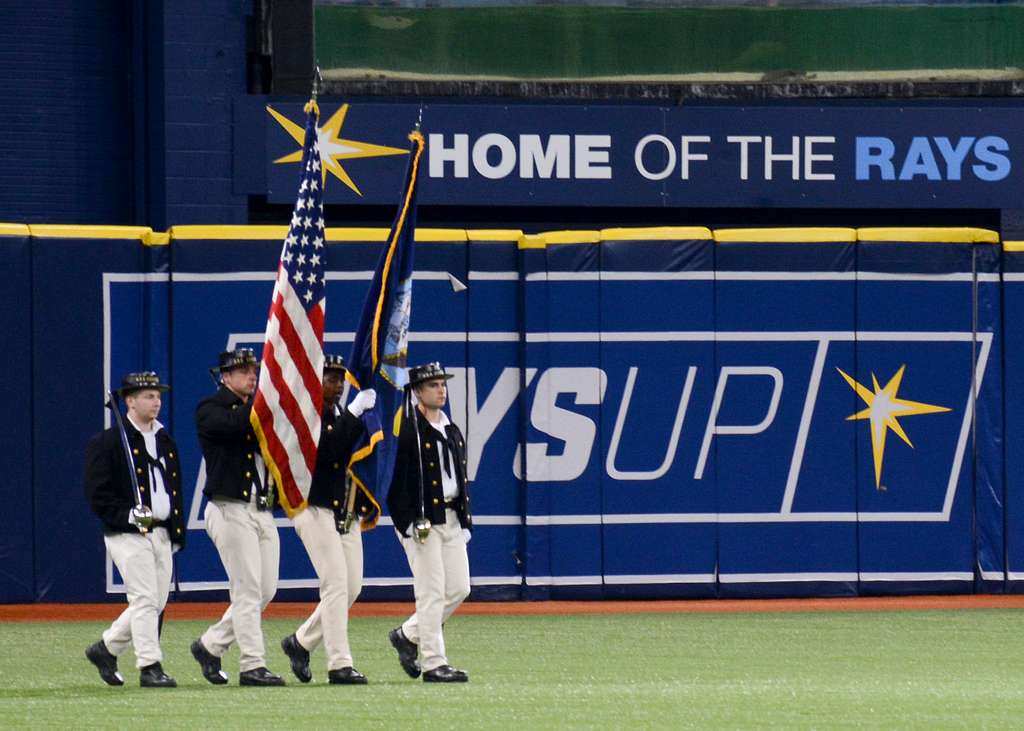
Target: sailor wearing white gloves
{"x":330,"y":528}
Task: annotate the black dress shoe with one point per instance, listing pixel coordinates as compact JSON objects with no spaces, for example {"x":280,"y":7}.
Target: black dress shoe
{"x":407,"y":652}
{"x":105,"y":662}
{"x":299,"y":657}
{"x":209,"y":663}
{"x":259,"y":676}
{"x":153,"y":676}
{"x":346,"y":676}
{"x":445,"y":674}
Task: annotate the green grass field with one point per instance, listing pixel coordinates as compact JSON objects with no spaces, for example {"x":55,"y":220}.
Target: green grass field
{"x":928,"y":669}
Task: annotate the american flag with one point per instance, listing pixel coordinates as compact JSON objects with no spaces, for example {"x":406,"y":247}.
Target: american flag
{"x":286,"y":410}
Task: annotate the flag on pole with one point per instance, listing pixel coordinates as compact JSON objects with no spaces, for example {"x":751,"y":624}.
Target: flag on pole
{"x":378,"y":358}
{"x":286,"y":409}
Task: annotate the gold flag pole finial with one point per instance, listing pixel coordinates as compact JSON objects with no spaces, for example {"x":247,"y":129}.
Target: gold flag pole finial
{"x":318,"y":81}
{"x":416,"y":135}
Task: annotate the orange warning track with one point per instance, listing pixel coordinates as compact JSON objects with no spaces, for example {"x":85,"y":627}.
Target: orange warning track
{"x":298,"y":610}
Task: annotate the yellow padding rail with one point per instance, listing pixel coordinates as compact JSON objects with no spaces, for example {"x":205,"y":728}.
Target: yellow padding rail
{"x":950,"y":235}
{"x":14,"y":229}
{"x":148,"y":237}
{"x":532,"y":241}
{"x":229,"y":233}
{"x":656,"y":233}
{"x":785,"y":235}
{"x":441,"y":235}
{"x":259,"y":233}
{"x":83,"y":231}
{"x":495,"y":235}
{"x":571,"y":237}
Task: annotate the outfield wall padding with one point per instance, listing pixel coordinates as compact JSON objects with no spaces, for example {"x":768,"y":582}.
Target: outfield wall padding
{"x":804,"y":462}
{"x":662,"y":412}
{"x":98,"y":298}
{"x":1013,"y":397}
{"x":16,"y":488}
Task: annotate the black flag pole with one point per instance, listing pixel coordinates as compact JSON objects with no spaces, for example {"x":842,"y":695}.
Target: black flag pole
{"x":143,"y":515}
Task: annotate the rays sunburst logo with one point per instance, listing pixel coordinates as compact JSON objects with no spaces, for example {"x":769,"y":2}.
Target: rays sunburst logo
{"x":333,"y":147}
{"x":884,"y":409}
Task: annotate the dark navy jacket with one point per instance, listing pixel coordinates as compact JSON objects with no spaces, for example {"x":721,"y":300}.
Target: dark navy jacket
{"x":108,"y":487}
{"x":229,"y":445}
{"x":404,"y":495}
{"x":338,"y":435}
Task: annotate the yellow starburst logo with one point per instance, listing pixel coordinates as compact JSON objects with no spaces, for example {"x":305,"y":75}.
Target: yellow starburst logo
{"x":883,"y":409}
{"x":332,"y":147}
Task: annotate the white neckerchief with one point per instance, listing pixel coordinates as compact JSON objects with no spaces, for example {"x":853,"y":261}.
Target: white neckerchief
{"x":449,"y":483}
{"x":160,"y":501}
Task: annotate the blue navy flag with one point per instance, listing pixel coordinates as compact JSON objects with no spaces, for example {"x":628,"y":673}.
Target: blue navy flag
{"x":378,"y":358}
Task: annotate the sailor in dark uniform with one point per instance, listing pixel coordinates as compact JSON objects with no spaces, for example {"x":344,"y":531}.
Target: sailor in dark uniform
{"x":429,"y":504}
{"x":140,"y":542}
{"x":330,"y":528}
{"x":239,"y":520}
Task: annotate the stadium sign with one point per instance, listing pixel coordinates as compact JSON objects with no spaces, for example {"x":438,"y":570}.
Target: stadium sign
{"x":643,"y":156}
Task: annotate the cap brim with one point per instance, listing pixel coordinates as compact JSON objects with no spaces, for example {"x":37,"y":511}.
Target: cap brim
{"x":223,"y":369}
{"x":445,"y":377}
{"x":123,"y":391}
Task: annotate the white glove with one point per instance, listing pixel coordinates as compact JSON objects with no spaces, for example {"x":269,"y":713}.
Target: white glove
{"x":466,"y":534}
{"x":364,"y":400}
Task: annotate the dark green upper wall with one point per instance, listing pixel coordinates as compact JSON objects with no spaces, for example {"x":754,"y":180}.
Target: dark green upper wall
{"x":543,"y":42}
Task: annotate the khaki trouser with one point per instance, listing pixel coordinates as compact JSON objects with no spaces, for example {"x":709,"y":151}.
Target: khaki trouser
{"x":144,"y":562}
{"x":440,"y":577}
{"x":249,"y":548}
{"x":338,"y":560}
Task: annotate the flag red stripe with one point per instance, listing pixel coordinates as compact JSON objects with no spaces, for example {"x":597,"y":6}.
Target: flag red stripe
{"x":289,"y":406}
{"x":277,"y":452}
{"x":316,"y":321}
{"x":298,"y":355}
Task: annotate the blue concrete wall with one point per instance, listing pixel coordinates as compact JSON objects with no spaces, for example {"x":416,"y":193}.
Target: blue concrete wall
{"x":65,"y":112}
{"x":204,"y":68}
{"x":118,"y":112}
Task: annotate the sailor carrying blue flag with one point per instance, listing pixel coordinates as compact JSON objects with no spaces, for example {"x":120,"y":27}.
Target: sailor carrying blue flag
{"x":378,"y":358}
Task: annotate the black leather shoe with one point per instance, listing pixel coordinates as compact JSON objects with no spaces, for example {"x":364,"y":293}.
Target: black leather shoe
{"x":105,"y":662}
{"x":299,"y":657}
{"x":209,"y":663}
{"x":153,"y":676}
{"x":346,"y":676}
{"x":407,"y":652}
{"x":445,"y":674}
{"x":259,"y":676}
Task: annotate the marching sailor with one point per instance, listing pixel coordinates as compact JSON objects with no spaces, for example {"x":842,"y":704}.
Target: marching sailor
{"x":330,"y":528}
{"x":429,"y":504}
{"x":141,"y":531}
{"x":239,"y":520}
